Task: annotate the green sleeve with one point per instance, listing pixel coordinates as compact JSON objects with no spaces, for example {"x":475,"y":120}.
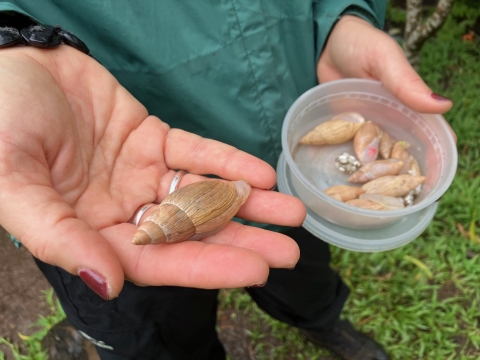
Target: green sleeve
{"x":10,"y":13}
{"x":327,"y":12}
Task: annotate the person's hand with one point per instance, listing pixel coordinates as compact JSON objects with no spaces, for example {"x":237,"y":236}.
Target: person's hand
{"x":79,"y":155}
{"x":356,"y":49}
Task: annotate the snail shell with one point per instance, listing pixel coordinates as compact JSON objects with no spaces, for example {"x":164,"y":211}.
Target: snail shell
{"x":344,"y":192}
{"x":385,"y":144}
{"x":376,"y":169}
{"x":399,"y":151}
{"x":194,"y":211}
{"x":414,"y":166}
{"x":337,"y":130}
{"x":366,"y":142}
{"x":388,"y":202}
{"x":397,"y":186}
{"x":366,"y":204}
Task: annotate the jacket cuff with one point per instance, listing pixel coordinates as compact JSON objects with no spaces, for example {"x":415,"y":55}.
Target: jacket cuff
{"x":13,"y":16}
{"x":325,"y":16}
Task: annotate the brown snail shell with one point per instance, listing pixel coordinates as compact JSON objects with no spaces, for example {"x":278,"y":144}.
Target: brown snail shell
{"x":366,"y":204}
{"x":385,"y":144}
{"x":388,"y":202}
{"x":393,"y":185}
{"x":376,"y":169}
{"x":399,"y":151}
{"x":193,"y":212}
{"x":413,"y":167}
{"x":337,"y":130}
{"x":366,"y":142}
{"x":344,"y":192}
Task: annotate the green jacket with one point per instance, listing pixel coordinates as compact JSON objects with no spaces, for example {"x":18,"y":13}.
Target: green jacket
{"x":223,"y":69}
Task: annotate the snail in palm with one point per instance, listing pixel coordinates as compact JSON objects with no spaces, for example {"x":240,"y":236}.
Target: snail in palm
{"x":193,"y":212}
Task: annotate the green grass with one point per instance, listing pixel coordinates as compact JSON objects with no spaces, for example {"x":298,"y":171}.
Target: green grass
{"x":31,"y":344}
{"x":421,"y":301}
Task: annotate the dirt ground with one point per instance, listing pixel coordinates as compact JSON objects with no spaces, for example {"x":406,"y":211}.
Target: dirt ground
{"x":21,"y":297}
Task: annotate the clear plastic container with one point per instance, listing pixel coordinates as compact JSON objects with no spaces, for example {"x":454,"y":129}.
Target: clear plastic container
{"x":312,"y":168}
{"x":389,"y":237}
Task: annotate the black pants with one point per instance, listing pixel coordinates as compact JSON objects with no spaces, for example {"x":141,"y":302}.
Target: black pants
{"x":176,"y":323}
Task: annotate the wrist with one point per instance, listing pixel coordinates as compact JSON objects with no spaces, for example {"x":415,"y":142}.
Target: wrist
{"x":352,"y":18}
{"x":22,"y":30}
{"x":42,"y":36}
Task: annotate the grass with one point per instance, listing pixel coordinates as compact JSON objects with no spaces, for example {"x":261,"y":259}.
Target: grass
{"x":31,"y":345}
{"x":421,"y":301}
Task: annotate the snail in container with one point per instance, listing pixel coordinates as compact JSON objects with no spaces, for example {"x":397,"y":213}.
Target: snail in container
{"x":385,"y":143}
{"x":344,"y":192}
{"x":376,"y":169}
{"x":366,"y":143}
{"x":337,"y":130}
{"x":193,"y":212}
{"x":397,"y":186}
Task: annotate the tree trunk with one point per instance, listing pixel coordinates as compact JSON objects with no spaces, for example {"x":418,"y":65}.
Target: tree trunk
{"x":417,"y":30}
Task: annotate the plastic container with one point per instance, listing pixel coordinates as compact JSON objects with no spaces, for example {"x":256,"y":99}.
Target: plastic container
{"x":400,"y":233}
{"x":311,"y":169}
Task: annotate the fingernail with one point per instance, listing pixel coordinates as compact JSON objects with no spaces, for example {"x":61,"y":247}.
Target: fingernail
{"x":292,"y":268}
{"x":439,"y":97}
{"x":257,"y":285}
{"x":273,"y":188}
{"x":95,"y":281}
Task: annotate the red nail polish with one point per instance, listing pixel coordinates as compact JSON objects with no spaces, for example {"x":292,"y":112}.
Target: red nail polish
{"x":95,"y":281}
{"x":439,"y":97}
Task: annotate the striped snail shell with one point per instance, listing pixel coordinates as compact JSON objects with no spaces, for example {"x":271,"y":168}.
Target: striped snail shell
{"x":194,"y":211}
{"x":339,"y":129}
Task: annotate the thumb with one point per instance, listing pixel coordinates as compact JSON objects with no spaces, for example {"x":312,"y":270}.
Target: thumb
{"x":47,"y":226}
{"x":394,"y":71}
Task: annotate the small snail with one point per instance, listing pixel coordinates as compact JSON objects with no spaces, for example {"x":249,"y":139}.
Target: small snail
{"x":344,"y":192}
{"x":366,"y":142}
{"x":337,"y":130}
{"x":376,"y":169}
{"x":399,"y":151}
{"x":194,"y":211}
{"x":397,"y":186}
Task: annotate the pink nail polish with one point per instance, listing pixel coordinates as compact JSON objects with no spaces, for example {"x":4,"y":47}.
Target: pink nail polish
{"x":439,"y":97}
{"x":95,"y":281}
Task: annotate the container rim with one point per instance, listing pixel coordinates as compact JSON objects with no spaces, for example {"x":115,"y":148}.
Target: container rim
{"x":345,"y":207}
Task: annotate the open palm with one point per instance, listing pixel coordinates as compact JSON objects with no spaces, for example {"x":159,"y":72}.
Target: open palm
{"x":78,"y":156}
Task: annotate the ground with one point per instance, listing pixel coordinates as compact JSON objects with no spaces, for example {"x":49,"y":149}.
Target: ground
{"x":21,"y":297}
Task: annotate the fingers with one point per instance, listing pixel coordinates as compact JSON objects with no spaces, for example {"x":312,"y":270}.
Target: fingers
{"x":358,"y":50}
{"x":398,"y":76}
{"x":272,"y":207}
{"x":222,"y":263}
{"x":48,"y":227}
{"x":198,"y":155}
{"x":277,"y":249}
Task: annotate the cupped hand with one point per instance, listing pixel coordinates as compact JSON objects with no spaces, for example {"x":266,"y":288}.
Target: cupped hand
{"x":78,"y":156}
{"x":356,"y":49}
